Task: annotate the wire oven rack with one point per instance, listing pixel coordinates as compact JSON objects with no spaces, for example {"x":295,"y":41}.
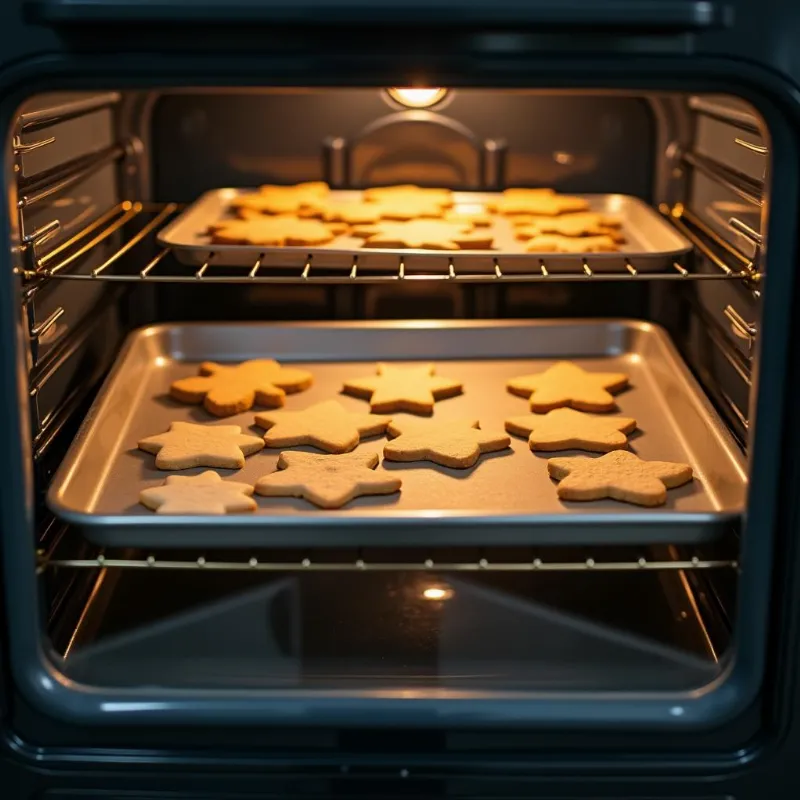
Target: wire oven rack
{"x":64,"y":261}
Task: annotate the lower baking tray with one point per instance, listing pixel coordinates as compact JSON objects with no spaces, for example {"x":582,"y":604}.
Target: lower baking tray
{"x":652,"y":243}
{"x":507,"y":498}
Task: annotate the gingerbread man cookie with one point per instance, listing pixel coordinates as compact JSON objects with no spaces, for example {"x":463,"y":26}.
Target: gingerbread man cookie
{"x":620,"y":475}
{"x":567,"y":384}
{"x":327,"y":481}
{"x":451,"y":443}
{"x":327,"y":426}
{"x":205,"y":493}
{"x":187,"y":445}
{"x":413,"y":389}
{"x":226,"y":390}
{"x":566,"y":429}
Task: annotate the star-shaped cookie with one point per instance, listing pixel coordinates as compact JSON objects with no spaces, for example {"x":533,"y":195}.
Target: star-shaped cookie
{"x":566,"y":384}
{"x":205,"y":493}
{"x":424,"y":234}
{"x":567,"y":429}
{"x":444,"y":197}
{"x":271,"y":199}
{"x":327,"y":481}
{"x":619,"y":475}
{"x":327,"y":426}
{"x":413,"y":389}
{"x":277,"y":231}
{"x":225,"y":390}
{"x":544,"y":202}
{"x":187,"y":445}
{"x":451,"y":443}
{"x":556,"y":243}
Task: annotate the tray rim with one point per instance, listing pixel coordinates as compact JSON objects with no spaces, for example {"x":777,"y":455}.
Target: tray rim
{"x":317,"y":519}
{"x":164,"y":238}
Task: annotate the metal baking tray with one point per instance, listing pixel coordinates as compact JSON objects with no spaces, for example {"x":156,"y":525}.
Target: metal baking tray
{"x":507,"y":498}
{"x":652,"y":243}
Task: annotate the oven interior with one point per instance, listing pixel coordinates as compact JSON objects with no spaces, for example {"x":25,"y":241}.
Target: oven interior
{"x":98,"y":175}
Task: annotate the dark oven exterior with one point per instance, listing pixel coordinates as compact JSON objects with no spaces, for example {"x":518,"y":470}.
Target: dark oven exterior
{"x":737,"y":47}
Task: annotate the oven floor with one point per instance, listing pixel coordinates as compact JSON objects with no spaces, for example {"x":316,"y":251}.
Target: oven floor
{"x":314,"y":630}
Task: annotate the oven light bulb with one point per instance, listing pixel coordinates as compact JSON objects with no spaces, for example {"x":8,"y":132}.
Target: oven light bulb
{"x":437,"y":593}
{"x":417,"y":97}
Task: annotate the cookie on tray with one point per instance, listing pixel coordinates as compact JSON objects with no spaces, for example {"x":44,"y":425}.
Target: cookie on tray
{"x":478,"y":216}
{"x":271,"y":199}
{"x":443,"y":197}
{"x":225,"y":389}
{"x":567,"y":384}
{"x":327,"y":481}
{"x":186,"y":445}
{"x":414,"y":389}
{"x":427,"y":234}
{"x":205,"y":493}
{"x":284,"y":230}
{"x":568,"y":429}
{"x":350,"y":212}
{"x":620,"y":475}
{"x":573,"y":225}
{"x":451,"y":443}
{"x":555,"y":243}
{"x":544,"y":202}
{"x":328,"y":426}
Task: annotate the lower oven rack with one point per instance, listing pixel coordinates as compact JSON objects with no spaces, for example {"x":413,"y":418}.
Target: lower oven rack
{"x":65,"y":262}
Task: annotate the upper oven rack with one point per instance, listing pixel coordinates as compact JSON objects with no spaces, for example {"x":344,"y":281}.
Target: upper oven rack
{"x":65,"y":261}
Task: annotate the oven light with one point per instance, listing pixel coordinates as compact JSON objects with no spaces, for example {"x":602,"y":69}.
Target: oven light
{"x":440,"y":592}
{"x":417,"y":98}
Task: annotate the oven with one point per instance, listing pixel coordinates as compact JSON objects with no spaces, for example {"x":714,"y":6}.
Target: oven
{"x":477,"y":637}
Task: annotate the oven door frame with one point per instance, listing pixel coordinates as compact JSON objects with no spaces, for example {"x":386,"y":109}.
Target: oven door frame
{"x":46,"y":702}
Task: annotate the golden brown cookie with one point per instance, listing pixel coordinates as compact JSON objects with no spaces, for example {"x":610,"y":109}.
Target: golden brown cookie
{"x":327,"y":426}
{"x":544,"y":202}
{"x":351,"y":212}
{"x":403,"y":207}
{"x":327,"y":481}
{"x":277,"y":231}
{"x":451,"y":443}
{"x":554,"y":243}
{"x":567,"y":429}
{"x":270,"y":199}
{"x":427,"y":234}
{"x":478,"y":217}
{"x":187,"y":445}
{"x":442,"y":197}
{"x":225,"y":390}
{"x":620,"y":475}
{"x":205,"y":493}
{"x":567,"y":384}
{"x":413,"y":389}
{"x":579,"y":223}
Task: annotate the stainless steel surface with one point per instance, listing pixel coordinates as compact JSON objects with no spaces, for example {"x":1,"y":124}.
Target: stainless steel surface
{"x":505,"y":499}
{"x":651,"y":245}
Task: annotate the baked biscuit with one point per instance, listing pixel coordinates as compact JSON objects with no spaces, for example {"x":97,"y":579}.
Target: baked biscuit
{"x":205,"y":493}
{"x":555,"y":243}
{"x":443,"y":197}
{"x":424,"y":234}
{"x":620,"y":475}
{"x":544,"y":202}
{"x":275,"y":231}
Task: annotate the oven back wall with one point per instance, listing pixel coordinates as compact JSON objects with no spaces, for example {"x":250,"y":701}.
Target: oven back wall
{"x":573,"y":143}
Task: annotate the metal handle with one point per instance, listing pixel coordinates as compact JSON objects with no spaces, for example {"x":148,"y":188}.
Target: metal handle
{"x":742,"y":328}
{"x":756,"y":148}
{"x":41,"y":329}
{"x":650,"y":15}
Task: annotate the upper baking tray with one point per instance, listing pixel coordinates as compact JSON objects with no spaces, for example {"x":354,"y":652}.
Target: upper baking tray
{"x":652,"y":243}
{"x":507,"y":498}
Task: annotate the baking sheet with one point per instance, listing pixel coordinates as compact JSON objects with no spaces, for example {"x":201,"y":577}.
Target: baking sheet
{"x":652,"y":243}
{"x":507,"y":498}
